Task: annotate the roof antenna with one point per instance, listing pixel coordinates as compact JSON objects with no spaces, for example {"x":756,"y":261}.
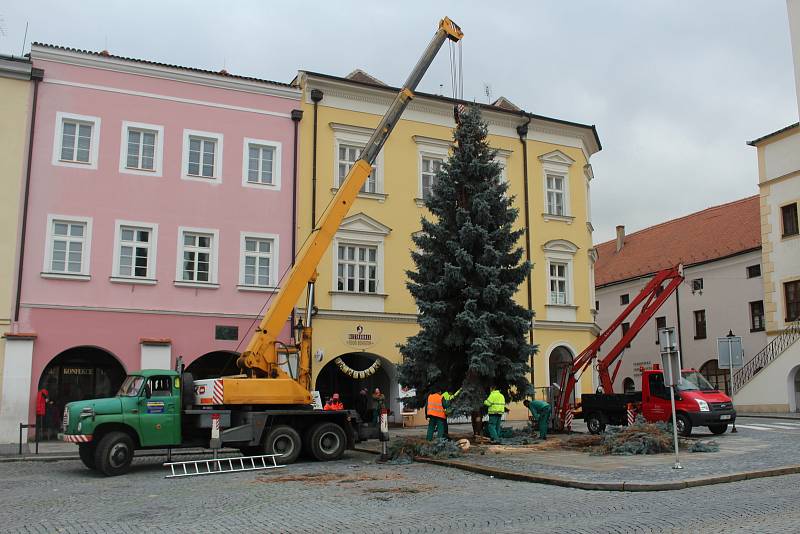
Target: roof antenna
{"x":24,"y":38}
{"x":487,"y":90}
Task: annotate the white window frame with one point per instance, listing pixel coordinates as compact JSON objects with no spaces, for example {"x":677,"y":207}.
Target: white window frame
{"x":378,"y":280}
{"x":566,"y":279}
{"x":561,"y":251}
{"x":502,"y":156}
{"x":555,"y":176}
{"x":558,"y":164}
{"x":213,"y":260}
{"x":431,"y":148}
{"x":276,"y":163}
{"x":150,"y":279}
{"x":273,"y":267}
{"x":356,"y":136}
{"x":61,"y":116}
{"x":86,"y":251}
{"x":216,"y":178}
{"x":158,"y":156}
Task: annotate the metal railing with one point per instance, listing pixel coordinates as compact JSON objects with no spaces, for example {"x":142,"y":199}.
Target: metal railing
{"x":765,"y":356}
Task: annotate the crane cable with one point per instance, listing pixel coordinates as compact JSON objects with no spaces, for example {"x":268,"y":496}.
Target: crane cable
{"x":457,"y":78}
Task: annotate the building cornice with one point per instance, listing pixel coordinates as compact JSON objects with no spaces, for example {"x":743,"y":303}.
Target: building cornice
{"x":346,"y":315}
{"x":15,"y":69}
{"x":130,"y":66}
{"x":442,"y":108}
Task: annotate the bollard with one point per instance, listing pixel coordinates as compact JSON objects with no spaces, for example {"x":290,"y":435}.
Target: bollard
{"x":631,"y":415}
{"x":384,"y":436}
{"x":215,"y":441}
{"x":568,"y":420}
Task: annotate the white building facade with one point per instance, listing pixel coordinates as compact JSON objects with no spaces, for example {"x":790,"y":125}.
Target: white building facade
{"x":722,"y":291}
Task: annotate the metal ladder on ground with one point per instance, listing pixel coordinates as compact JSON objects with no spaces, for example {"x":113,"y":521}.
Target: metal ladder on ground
{"x":217,"y":466}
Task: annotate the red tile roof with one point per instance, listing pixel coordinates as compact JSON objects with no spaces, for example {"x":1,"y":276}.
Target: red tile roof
{"x":713,"y":233}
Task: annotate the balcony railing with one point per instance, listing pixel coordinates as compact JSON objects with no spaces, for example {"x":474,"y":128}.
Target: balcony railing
{"x":766,"y":355}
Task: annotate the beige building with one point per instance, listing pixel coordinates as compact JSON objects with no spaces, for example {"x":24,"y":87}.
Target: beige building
{"x":770,"y":381}
{"x":16,"y":103}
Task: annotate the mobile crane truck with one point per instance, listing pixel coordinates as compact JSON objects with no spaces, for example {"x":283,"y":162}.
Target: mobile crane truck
{"x":697,"y":403}
{"x":262,"y":410}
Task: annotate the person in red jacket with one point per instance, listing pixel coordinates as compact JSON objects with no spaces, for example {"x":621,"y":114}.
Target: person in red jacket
{"x":42,"y":400}
{"x":334,"y":403}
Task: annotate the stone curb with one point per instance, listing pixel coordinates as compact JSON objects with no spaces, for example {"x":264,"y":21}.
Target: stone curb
{"x":767,"y":416}
{"x":606,"y":486}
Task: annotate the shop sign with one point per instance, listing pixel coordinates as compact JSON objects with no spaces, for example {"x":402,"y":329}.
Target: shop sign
{"x":78,"y":371}
{"x":359,"y":338}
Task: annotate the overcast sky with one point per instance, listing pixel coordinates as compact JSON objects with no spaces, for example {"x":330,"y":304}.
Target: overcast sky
{"x":675,"y":87}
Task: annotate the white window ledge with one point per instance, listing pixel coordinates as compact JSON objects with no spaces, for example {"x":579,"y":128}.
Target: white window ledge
{"x":202,"y":285}
{"x":357,"y":294}
{"x":262,"y":289}
{"x":67,"y":276}
{"x":563,"y":218}
{"x":380,"y":197}
{"x":126,"y":280}
{"x":420,"y":202}
{"x":569,"y":306}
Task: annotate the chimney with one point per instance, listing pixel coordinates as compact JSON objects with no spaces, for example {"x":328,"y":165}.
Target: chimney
{"x":620,"y":237}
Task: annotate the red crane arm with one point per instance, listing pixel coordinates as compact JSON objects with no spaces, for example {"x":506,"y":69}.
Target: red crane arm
{"x":651,"y":298}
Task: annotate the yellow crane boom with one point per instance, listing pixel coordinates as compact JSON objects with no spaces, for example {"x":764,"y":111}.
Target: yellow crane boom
{"x":266,"y":382}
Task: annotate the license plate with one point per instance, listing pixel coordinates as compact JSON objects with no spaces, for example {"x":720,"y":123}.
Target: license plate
{"x":724,"y":417}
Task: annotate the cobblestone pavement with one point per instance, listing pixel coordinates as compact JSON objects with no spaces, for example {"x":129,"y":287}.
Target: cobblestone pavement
{"x":758,"y":444}
{"x":357,"y":495}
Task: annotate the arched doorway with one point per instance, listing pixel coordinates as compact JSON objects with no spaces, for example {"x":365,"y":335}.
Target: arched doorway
{"x":719,"y":378}
{"x":332,"y":379}
{"x":560,"y":359}
{"x":628,"y":385}
{"x":78,"y":373}
{"x":213,"y":364}
{"x":794,"y":389}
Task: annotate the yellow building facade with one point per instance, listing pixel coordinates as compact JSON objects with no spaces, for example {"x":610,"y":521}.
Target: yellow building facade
{"x":363,"y":309}
{"x":16,"y":89}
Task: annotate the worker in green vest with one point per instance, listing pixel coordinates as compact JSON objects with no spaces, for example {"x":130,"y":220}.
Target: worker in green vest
{"x":540,"y":410}
{"x":448,"y":399}
{"x":496,"y":404}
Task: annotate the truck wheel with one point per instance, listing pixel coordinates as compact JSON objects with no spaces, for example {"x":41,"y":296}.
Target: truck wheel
{"x":684,"y":425}
{"x":327,"y":441}
{"x":87,"y":453}
{"x":595,"y":424}
{"x":718,"y":429}
{"x":114,"y":454}
{"x":283,"y":440}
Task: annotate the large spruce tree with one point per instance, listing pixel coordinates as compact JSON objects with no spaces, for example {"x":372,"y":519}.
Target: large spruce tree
{"x":472,"y":333}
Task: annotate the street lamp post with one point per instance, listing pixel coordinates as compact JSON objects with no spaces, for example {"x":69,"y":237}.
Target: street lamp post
{"x":730,"y":336}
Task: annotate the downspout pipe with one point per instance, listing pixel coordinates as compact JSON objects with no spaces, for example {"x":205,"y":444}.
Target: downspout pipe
{"x":297,"y":116}
{"x":522,"y":131}
{"x":316,"y":97}
{"x":37,"y":75}
{"x":678,"y":313}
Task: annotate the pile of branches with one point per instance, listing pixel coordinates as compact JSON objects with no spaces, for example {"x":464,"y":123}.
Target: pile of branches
{"x":403,"y":451}
{"x":639,"y":438}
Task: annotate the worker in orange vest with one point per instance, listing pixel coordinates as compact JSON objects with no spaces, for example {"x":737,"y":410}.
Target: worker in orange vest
{"x":334,"y":403}
{"x":436,"y":414}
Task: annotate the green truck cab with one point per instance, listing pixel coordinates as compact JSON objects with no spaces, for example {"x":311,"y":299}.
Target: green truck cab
{"x":146,"y":413}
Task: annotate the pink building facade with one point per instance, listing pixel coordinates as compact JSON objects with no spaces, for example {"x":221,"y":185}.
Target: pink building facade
{"x":159,"y":222}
